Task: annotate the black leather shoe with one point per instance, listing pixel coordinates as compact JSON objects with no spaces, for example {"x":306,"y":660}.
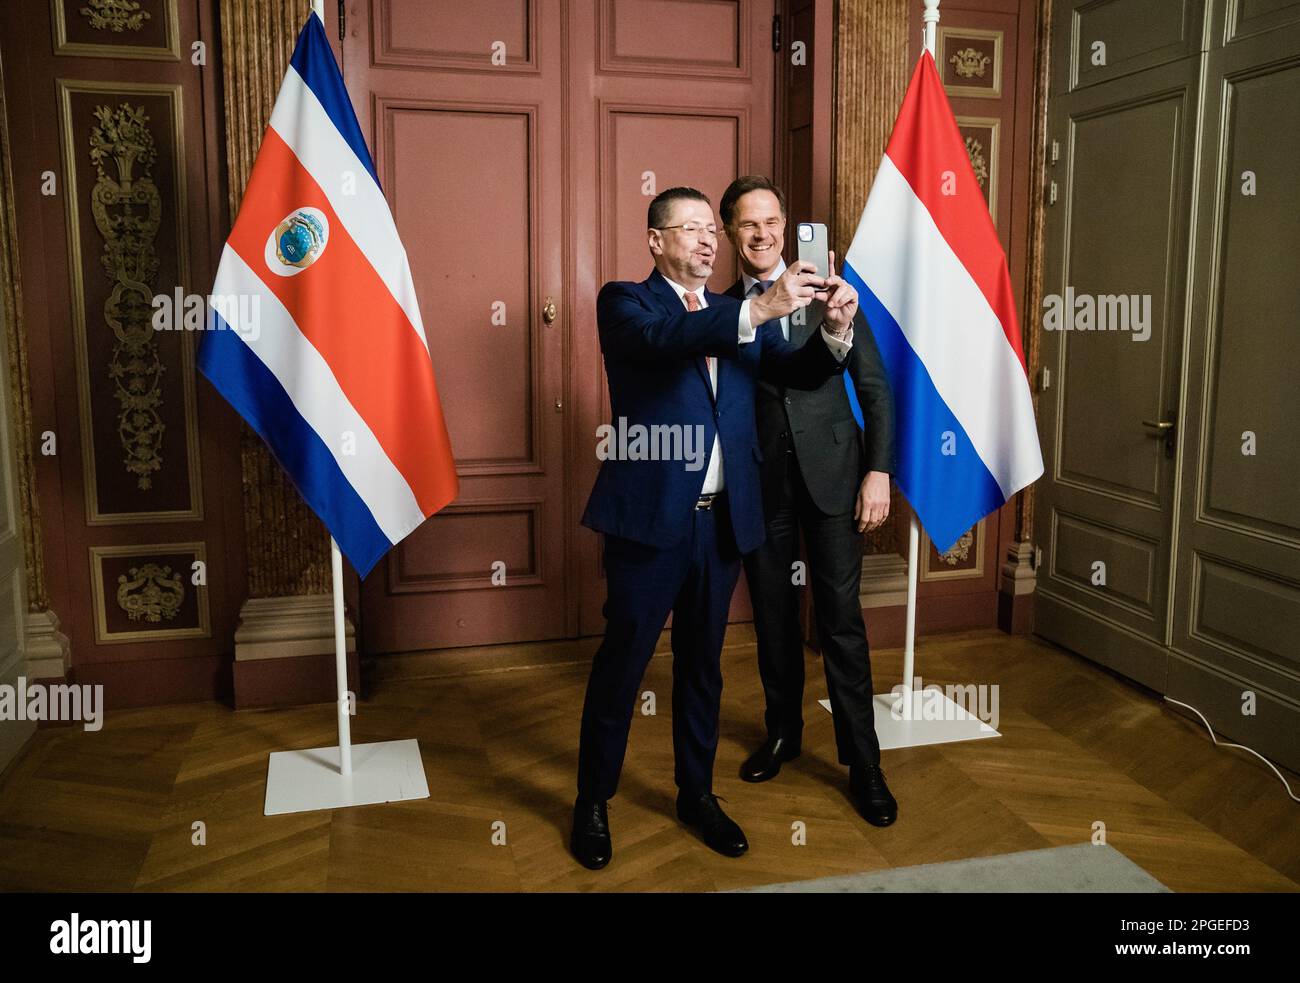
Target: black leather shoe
{"x":871,"y":795}
{"x":714,"y":826}
{"x":590,"y":840}
{"x":765,"y":763}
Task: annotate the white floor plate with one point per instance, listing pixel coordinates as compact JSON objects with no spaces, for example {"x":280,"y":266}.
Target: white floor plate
{"x":936,"y":719}
{"x":301,"y":781}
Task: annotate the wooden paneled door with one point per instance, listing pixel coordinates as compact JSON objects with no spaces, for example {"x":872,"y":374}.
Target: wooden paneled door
{"x":461,"y":104}
{"x":1123,"y":176}
{"x":1176,"y":178}
{"x":1236,"y":615}
{"x":519,"y":144}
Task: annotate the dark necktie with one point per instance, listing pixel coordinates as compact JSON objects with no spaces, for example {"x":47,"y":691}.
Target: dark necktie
{"x":762,"y":287}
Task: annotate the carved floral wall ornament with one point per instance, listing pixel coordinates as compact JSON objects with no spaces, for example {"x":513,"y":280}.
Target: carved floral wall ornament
{"x":978,"y":161}
{"x":115,"y":15}
{"x":960,"y":551}
{"x":150,"y":593}
{"x":127,"y":208}
{"x":970,"y":63}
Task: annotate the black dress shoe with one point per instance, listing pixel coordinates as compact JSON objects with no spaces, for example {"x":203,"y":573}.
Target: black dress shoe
{"x":714,"y":826}
{"x":590,"y":840}
{"x":765,"y":763}
{"x":871,"y":795}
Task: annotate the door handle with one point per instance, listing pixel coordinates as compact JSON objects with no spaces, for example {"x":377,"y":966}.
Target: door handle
{"x":1162,"y":430}
{"x":548,"y":311}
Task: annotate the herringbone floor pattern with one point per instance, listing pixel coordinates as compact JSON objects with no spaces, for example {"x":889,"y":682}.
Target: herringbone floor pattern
{"x":116,"y":810}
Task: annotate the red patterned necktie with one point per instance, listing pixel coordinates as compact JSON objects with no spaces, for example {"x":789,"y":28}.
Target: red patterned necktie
{"x":693,"y":304}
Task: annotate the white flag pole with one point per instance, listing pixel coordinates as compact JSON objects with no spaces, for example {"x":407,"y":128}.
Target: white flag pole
{"x":909,"y":638}
{"x":322,"y":777}
{"x":336,"y":575}
{"x":930,"y":18}
{"x":341,"y":661}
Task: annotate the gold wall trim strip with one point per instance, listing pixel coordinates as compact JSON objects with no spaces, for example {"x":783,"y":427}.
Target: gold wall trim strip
{"x":287,"y":546}
{"x":1034,"y":257}
{"x":872,"y":65}
{"x":20,"y":394}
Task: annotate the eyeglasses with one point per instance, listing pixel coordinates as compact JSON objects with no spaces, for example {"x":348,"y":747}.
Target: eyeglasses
{"x":692,"y":229}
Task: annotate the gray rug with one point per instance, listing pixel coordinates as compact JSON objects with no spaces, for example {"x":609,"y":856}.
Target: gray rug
{"x":1080,"y":867}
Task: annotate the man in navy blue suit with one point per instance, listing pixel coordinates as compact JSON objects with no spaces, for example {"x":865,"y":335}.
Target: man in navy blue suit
{"x":681,"y":362}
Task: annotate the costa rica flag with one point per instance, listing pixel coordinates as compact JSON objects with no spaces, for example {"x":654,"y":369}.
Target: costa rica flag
{"x":316,"y":338}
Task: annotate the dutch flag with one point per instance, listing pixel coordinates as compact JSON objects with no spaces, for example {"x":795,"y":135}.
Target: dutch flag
{"x":316,"y":335}
{"x":933,"y":285}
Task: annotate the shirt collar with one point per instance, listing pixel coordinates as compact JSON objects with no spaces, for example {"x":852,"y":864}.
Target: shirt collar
{"x":748,"y":281}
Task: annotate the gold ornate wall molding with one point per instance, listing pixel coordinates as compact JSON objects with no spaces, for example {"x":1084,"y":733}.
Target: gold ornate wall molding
{"x":115,"y":15}
{"x":983,"y":136}
{"x":127,"y":209}
{"x":872,"y":66}
{"x":123,"y":142}
{"x":288,"y":549}
{"x":118,"y":29}
{"x":144,"y":592}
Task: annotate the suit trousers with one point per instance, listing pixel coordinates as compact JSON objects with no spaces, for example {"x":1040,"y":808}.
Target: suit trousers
{"x":694,"y":581}
{"x":834,"y":549}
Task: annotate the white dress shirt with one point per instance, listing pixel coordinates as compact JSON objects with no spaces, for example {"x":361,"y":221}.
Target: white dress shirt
{"x":713,"y":475}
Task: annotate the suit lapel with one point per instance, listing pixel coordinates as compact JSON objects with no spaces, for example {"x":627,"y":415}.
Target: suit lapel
{"x":725,"y":365}
{"x":672,"y":304}
{"x":664,"y":293}
{"x":703,"y":367}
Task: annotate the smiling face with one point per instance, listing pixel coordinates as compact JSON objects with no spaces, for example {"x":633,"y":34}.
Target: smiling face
{"x":682,"y":255}
{"x":757,"y":231}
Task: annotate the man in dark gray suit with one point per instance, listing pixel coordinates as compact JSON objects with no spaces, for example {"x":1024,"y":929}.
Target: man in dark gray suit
{"x":823,"y":475}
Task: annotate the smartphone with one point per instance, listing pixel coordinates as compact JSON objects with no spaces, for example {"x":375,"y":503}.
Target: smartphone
{"x":813,"y":248}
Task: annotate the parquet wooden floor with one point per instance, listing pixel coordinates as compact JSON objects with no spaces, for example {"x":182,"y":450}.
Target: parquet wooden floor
{"x":116,"y":810}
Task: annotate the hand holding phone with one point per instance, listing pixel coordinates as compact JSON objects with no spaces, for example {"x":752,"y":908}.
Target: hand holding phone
{"x":795,"y":288}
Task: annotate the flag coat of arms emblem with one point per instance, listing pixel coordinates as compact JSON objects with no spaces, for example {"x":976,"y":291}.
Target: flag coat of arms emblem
{"x":933,"y":284}
{"x":316,"y":337}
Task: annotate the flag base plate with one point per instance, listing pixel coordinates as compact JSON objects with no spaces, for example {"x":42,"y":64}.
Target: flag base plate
{"x":302,"y":781}
{"x":936,"y":719}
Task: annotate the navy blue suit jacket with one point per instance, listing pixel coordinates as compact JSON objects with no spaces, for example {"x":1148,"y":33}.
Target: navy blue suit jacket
{"x":654,"y":352}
